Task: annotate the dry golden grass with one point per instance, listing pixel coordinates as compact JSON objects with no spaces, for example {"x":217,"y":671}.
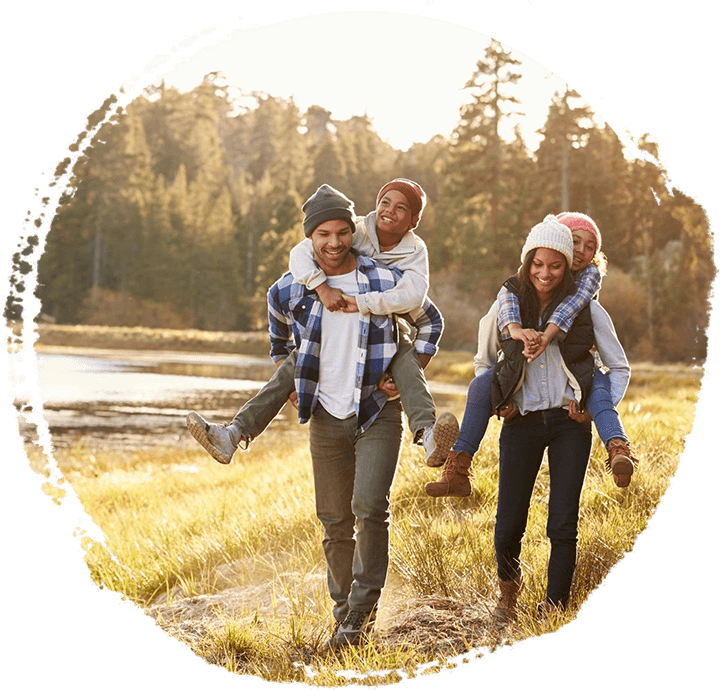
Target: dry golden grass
{"x":228,"y":558}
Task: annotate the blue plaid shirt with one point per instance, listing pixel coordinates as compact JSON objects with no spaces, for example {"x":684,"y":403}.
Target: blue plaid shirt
{"x":587,"y":282}
{"x":295,"y":318}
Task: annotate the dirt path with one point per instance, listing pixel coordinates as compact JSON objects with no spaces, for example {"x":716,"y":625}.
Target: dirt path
{"x":440,"y":626}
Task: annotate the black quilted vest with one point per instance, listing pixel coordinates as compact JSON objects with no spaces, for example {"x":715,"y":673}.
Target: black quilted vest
{"x":575,"y":350}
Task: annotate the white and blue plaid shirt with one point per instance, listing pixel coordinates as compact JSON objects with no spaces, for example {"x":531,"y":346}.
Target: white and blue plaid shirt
{"x":295,"y":318}
{"x":587,"y":282}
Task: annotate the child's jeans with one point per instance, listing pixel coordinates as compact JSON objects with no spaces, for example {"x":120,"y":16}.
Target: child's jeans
{"x":405,"y":369}
{"x":478,"y":411}
{"x":255,"y":415}
{"x":409,"y":378}
{"x":600,"y":407}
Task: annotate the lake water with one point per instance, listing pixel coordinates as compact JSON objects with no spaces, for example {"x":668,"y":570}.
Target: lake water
{"x":139,"y":399}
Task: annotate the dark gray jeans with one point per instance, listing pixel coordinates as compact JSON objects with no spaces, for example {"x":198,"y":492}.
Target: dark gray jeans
{"x":353,"y":473}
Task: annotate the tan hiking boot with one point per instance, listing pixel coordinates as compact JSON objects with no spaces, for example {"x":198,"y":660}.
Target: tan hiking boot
{"x":505,"y":612}
{"x":620,"y":462}
{"x":455,"y":480}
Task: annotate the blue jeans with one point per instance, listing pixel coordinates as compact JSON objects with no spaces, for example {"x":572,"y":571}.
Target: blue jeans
{"x":478,"y":411}
{"x":600,"y":406}
{"x":353,"y":472}
{"x":523,"y":440}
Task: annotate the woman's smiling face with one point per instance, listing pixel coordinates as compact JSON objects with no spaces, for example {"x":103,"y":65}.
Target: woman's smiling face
{"x":547,"y":270}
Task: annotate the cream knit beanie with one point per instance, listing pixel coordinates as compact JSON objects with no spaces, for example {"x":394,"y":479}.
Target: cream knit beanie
{"x":551,"y":234}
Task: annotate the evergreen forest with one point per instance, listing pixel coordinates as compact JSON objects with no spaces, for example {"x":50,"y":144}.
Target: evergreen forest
{"x":181,"y":208}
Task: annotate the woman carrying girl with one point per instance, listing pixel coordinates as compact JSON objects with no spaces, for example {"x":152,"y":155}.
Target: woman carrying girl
{"x":539,"y":397}
{"x":588,"y":266}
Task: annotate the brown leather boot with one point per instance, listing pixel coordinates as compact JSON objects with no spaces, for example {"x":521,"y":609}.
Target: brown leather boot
{"x":455,"y":480}
{"x":620,"y":462}
{"x":505,"y":612}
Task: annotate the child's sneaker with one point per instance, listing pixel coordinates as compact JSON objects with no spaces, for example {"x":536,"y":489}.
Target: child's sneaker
{"x":620,"y":462}
{"x":455,"y":480}
{"x":216,"y":439}
{"x":439,"y":439}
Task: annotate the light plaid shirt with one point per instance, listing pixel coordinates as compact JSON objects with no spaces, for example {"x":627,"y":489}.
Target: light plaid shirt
{"x":295,"y":318}
{"x":587,"y":282}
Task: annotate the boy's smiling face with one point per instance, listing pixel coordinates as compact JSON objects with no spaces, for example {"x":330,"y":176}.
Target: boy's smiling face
{"x":393,"y":217}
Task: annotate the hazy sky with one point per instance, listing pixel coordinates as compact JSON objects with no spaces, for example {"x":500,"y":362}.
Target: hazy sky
{"x":406,"y":72}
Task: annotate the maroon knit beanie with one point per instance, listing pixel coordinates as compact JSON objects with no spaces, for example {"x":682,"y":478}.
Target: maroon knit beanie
{"x":413,"y":193}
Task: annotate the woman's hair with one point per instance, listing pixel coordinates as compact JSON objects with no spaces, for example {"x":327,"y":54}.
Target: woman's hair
{"x":529,"y":303}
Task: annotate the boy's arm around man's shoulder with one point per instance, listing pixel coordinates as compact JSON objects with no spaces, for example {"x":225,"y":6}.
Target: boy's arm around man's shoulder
{"x":303,"y":266}
{"x":410,"y":291}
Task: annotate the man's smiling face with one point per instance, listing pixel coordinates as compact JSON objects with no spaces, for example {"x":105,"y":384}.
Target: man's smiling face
{"x":331,"y":242}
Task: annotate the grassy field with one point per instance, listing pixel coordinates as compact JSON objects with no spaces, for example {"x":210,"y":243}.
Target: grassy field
{"x":229,"y":559}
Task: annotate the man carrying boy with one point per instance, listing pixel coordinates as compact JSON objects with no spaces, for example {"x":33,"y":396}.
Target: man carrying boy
{"x":355,"y":431}
{"x":387,"y":235}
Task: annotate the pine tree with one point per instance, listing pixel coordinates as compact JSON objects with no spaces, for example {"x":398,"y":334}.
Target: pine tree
{"x":329,"y":167}
{"x":275,"y":144}
{"x":99,"y":226}
{"x":479,"y":181}
{"x":558,"y":157}
{"x":426,"y":163}
{"x":368,"y":161}
{"x":685,"y":302}
{"x":284,"y":231}
{"x":602,"y":191}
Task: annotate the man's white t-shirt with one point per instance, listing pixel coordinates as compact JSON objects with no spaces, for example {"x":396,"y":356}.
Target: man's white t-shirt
{"x":338,"y":353}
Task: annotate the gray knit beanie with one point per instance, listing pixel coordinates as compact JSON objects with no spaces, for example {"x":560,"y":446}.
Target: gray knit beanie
{"x":327,"y":204}
{"x":551,"y":234}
